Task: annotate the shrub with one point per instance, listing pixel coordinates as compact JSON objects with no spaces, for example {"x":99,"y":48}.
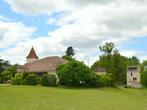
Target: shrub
{"x":74,"y":73}
{"x":144,"y":79}
{"x":31,"y":79}
{"x":101,"y":81}
{"x":1,"y":79}
{"x":6,"y":75}
{"x":17,"y":79}
{"x":106,"y":80}
{"x":48,"y":80}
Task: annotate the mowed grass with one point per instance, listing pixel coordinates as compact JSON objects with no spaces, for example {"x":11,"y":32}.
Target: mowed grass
{"x":49,"y":98}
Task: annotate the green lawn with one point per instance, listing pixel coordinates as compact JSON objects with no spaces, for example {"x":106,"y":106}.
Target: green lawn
{"x":47,"y":98}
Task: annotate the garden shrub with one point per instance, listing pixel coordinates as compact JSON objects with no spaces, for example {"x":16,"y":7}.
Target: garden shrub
{"x":17,"y":79}
{"x":31,"y":79}
{"x":48,"y":80}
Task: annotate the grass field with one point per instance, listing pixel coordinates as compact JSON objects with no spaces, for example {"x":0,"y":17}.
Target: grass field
{"x":47,"y":98}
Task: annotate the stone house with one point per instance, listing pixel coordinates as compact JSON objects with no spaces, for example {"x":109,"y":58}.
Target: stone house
{"x":100,"y":70}
{"x":133,"y":76}
{"x":41,"y":66}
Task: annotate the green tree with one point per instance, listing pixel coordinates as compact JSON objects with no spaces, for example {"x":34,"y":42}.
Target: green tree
{"x":69,"y":58}
{"x":106,"y":58}
{"x":74,"y":73}
{"x":31,"y":79}
{"x":118,"y":68}
{"x":70,"y":51}
{"x":1,"y":64}
{"x":133,"y":61}
{"x":48,"y":80}
{"x":144,"y":78}
{"x":107,"y":48}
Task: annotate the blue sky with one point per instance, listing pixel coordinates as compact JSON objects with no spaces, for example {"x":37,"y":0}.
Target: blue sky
{"x":51,"y":26}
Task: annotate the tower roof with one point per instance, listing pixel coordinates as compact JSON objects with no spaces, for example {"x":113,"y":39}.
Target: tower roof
{"x":32,"y":54}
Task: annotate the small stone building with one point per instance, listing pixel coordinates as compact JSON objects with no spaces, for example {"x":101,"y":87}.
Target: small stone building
{"x":133,"y":76}
{"x":100,"y":70}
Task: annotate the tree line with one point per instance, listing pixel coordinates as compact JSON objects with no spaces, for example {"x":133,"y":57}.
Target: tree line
{"x":76,"y":73}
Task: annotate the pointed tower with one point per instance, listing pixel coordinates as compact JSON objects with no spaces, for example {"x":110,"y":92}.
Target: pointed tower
{"x":32,"y":56}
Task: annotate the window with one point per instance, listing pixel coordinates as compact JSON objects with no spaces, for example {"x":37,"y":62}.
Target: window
{"x":134,"y":78}
{"x":131,"y":74}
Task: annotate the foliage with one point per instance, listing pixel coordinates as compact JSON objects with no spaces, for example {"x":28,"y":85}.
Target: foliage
{"x":31,"y":79}
{"x":143,"y":66}
{"x":1,"y":79}
{"x":119,"y":68}
{"x":133,"y":61}
{"x":106,"y":80}
{"x":48,"y":80}
{"x":68,"y":58}
{"x":70,"y":51}
{"x":17,"y":79}
{"x":74,"y":73}
{"x":114,"y":63}
{"x":107,"y":48}
{"x":1,"y":64}
{"x":8,"y":73}
{"x":144,"y":78}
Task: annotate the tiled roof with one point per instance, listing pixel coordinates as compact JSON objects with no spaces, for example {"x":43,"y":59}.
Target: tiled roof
{"x":32,"y":54}
{"x":44,"y":65}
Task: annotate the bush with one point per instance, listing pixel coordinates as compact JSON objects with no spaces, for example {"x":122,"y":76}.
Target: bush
{"x":144,"y":79}
{"x":101,"y":81}
{"x":17,"y":79}
{"x":6,"y":75}
{"x":74,"y":73}
{"x":1,"y":79}
{"x":106,"y":80}
{"x":48,"y":80}
{"x":31,"y":79}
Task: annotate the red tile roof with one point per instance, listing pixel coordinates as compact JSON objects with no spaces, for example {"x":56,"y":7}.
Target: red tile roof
{"x":43,"y":65}
{"x":32,"y":54}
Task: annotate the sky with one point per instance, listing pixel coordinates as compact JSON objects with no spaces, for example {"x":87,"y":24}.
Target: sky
{"x":50,"y":26}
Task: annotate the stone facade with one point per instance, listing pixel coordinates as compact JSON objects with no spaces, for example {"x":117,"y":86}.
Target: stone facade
{"x":29,"y":60}
{"x":133,"y":76}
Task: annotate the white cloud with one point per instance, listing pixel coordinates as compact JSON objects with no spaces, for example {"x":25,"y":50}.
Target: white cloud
{"x":87,"y":24}
{"x":129,"y":53}
{"x":12,"y":32}
{"x":34,"y":7}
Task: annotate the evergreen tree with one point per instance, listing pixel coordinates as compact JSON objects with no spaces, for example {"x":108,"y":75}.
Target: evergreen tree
{"x":70,"y":51}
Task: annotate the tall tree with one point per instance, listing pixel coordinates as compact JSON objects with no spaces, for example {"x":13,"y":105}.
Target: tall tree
{"x":107,"y":48}
{"x":70,"y":51}
{"x":118,"y":67}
